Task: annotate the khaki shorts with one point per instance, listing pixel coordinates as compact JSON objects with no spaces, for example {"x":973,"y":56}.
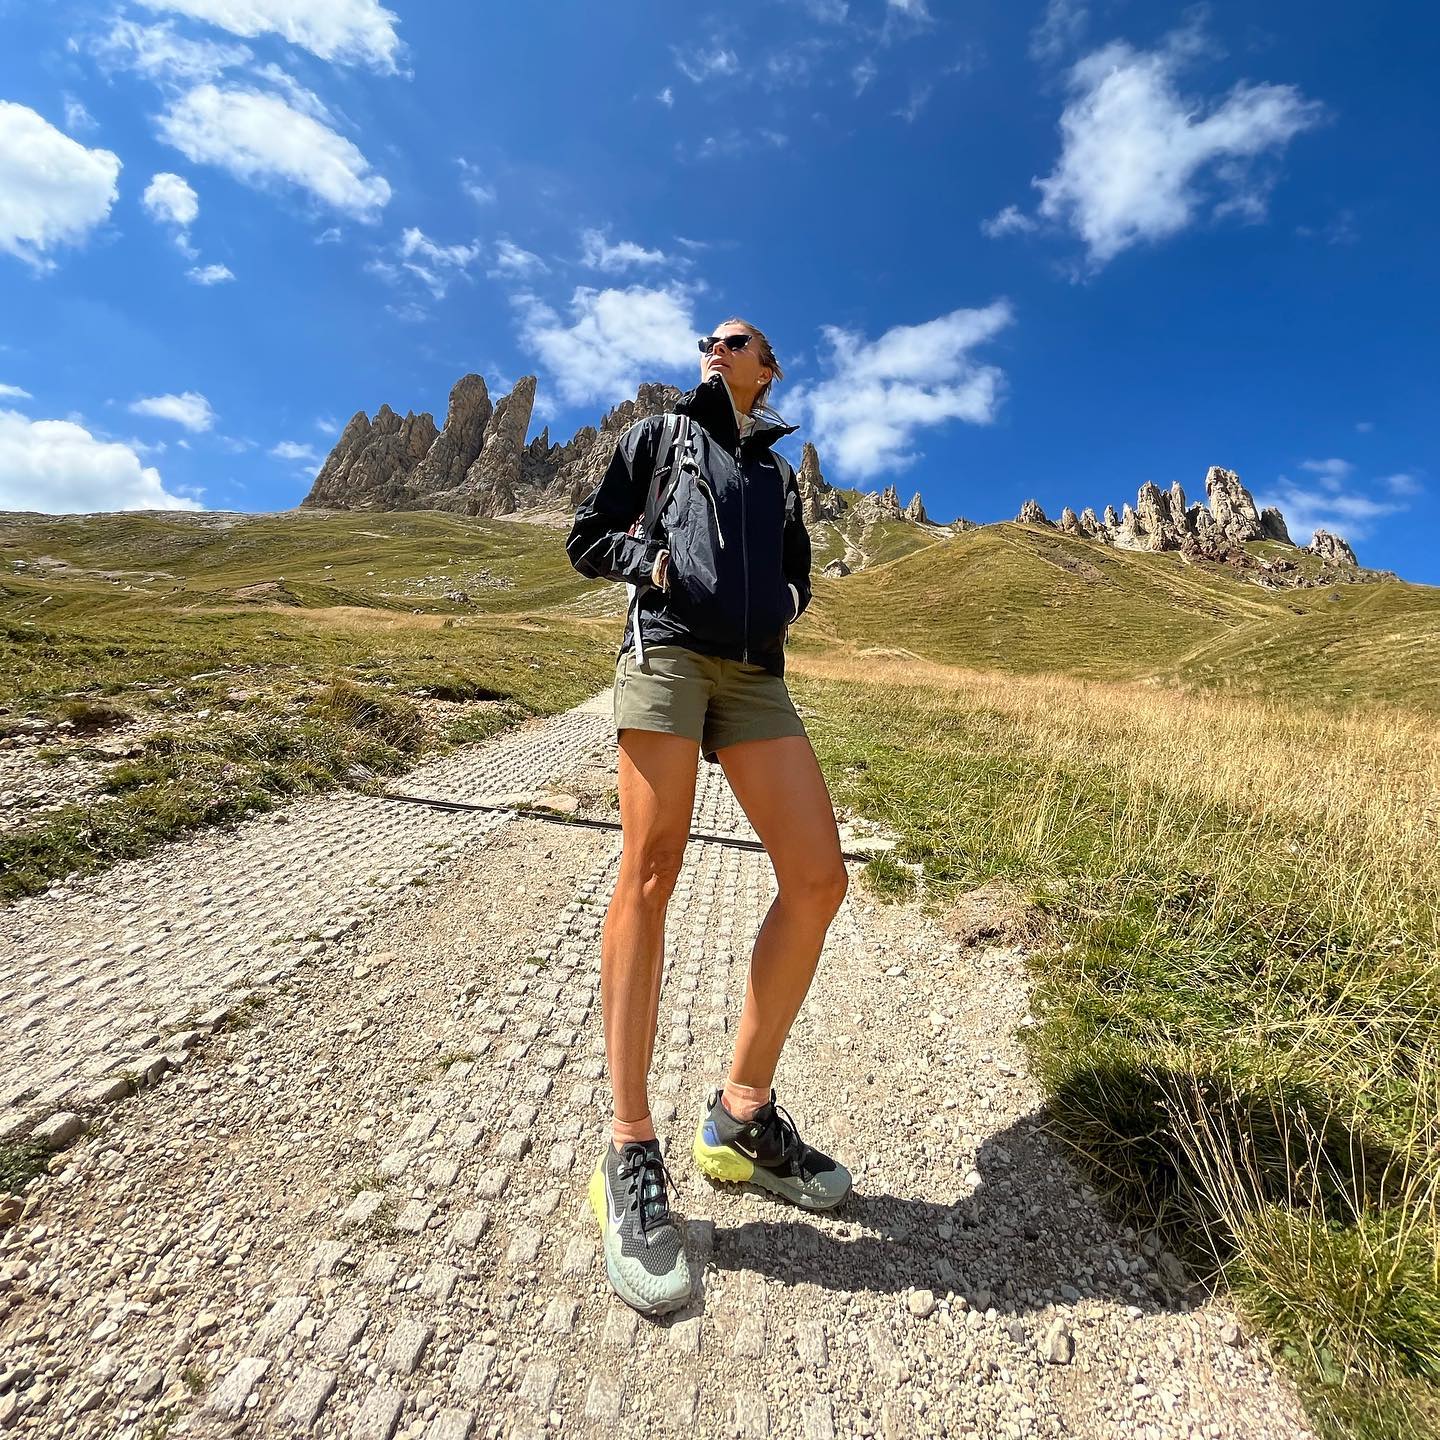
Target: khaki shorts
{"x":714,"y":702}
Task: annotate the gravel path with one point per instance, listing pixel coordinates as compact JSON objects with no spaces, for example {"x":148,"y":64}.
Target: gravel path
{"x":356,"y":1205}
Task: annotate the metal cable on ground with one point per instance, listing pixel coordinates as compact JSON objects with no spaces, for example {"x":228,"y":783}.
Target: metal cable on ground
{"x":531,"y":812}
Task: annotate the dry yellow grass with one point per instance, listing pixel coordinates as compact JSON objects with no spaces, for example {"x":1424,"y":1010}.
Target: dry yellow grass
{"x":1362,"y":787}
{"x":1240,"y":1021}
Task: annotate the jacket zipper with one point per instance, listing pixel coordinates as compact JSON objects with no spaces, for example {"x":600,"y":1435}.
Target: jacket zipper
{"x":744,"y":552}
{"x":709,"y":494}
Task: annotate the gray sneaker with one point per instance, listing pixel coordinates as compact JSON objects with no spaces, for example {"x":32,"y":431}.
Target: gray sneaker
{"x":644,"y":1244}
{"x":768,"y":1151}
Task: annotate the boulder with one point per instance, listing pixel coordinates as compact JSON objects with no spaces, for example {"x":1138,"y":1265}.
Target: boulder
{"x":836,"y":567}
{"x":1070,"y":522}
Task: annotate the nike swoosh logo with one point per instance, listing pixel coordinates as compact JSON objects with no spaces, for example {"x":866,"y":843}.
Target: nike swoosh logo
{"x":748,"y":1154}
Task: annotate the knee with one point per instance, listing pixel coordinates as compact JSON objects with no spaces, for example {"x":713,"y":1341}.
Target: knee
{"x":653,"y":869}
{"x":821,"y":890}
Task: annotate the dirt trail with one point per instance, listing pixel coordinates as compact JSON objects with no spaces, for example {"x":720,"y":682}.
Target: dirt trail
{"x":357,"y":1207}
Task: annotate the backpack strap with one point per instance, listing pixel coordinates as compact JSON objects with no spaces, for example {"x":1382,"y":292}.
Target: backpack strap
{"x":675,"y":435}
{"x":675,"y":438}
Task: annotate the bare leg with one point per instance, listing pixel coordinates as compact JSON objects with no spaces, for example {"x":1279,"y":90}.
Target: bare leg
{"x":779,"y":786}
{"x":657,"y":796}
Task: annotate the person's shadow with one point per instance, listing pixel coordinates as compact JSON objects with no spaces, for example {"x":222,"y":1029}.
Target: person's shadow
{"x":1028,"y":1236}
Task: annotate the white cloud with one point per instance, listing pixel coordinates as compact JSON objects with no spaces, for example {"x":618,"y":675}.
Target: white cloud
{"x":293,"y":450}
{"x":1140,"y":160}
{"x":170,"y":200}
{"x":1332,"y":474}
{"x":259,"y":138}
{"x":341,"y":30}
{"x":435,"y":266}
{"x":14,"y":392}
{"x":192,"y":410}
{"x":704,"y":66}
{"x":1012,"y":220}
{"x":911,"y":9}
{"x":53,"y":190}
{"x":1060,"y":30}
{"x":471,"y":184}
{"x":161,"y":55}
{"x":878,"y":394}
{"x":919,"y":98}
{"x":864,"y":75}
{"x":514,"y":263}
{"x":667,"y":97}
{"x":613,"y":340}
{"x":599,"y":254}
{"x":59,"y":467}
{"x":1364,"y":426}
{"x":210,"y":274}
{"x":1332,"y":499}
{"x":77,"y":117}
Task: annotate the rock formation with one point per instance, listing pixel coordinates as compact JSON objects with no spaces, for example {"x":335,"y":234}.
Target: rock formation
{"x":915,"y":510}
{"x":492,"y":483}
{"x":458,"y":445}
{"x":1273,"y":527}
{"x":818,"y":500}
{"x":370,"y":467}
{"x":1333,"y":549}
{"x":836,"y":567}
{"x":1218,"y":532}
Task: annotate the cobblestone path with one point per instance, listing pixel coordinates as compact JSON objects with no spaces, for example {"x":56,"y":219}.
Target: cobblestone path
{"x":358,"y":1210}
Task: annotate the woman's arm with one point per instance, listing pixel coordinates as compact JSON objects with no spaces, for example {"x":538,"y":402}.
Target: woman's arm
{"x":796,"y":557}
{"x":599,"y":547}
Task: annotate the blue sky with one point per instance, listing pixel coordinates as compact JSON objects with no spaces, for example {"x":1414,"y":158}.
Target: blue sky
{"x":1003,"y":249}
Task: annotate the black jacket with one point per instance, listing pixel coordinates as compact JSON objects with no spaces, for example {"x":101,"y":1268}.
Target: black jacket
{"x":735,"y":533}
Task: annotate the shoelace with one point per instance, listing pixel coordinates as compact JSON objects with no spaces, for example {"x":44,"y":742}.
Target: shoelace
{"x":641,"y":1166}
{"x":792,"y":1148}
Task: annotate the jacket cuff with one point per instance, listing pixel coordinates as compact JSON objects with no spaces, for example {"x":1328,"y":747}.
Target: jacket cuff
{"x":639,"y":559}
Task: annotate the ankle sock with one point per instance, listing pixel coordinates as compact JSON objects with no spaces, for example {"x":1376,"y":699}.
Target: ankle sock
{"x":626,"y":1132}
{"x":742,"y":1101}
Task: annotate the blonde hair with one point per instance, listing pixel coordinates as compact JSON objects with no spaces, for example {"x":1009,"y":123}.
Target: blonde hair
{"x":761,"y":403}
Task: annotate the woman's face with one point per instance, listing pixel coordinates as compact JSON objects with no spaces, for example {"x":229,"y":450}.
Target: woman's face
{"x":742,"y":369}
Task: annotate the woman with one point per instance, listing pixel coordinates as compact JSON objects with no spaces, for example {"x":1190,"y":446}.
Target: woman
{"x":718,"y":575}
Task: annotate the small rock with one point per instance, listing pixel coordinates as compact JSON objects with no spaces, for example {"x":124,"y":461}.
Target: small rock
{"x":1230,"y":1335}
{"x":922,"y":1303}
{"x":1059,"y":1347}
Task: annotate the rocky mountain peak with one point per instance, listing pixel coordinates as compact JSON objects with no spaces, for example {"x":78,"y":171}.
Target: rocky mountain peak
{"x":1332,"y":548}
{"x":1032,"y":514}
{"x":818,"y":500}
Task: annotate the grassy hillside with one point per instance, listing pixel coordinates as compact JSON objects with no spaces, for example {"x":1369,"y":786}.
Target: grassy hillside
{"x":1233,"y":918}
{"x":850,"y":538}
{"x":1008,"y":597}
{"x":233,"y":660}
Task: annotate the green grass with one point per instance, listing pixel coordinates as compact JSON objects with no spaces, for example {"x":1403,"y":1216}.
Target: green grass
{"x":20,"y":1162}
{"x":1029,"y":602}
{"x":247,"y":702}
{"x":1237,"y":994}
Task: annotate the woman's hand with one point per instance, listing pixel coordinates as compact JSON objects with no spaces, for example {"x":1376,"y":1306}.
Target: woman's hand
{"x":660,"y":571}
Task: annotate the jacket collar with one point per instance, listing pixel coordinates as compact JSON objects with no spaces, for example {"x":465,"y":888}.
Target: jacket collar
{"x":709,"y":405}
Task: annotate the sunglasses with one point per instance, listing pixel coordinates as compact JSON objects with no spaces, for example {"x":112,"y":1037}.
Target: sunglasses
{"x":731,"y":342}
